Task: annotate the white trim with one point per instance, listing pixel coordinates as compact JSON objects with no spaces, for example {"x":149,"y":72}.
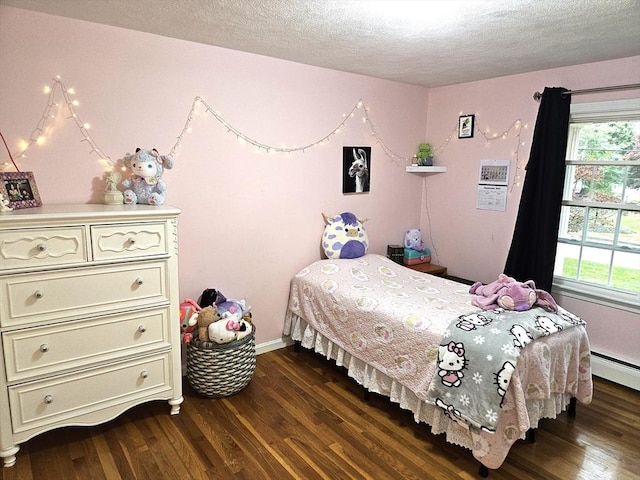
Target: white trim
{"x":615,"y":372}
{"x":608,"y":297}
{"x":273,"y":345}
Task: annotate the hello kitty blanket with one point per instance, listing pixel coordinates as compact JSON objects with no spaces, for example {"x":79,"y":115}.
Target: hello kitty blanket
{"x":478,"y":355}
{"x":395,"y":329}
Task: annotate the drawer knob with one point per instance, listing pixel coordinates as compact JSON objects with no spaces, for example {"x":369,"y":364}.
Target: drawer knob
{"x":44,"y":348}
{"x":48,"y":399}
{"x":142,"y":329}
{"x":144,"y":374}
{"x":139,"y":281}
{"x":41,"y":247}
{"x":131,"y":241}
{"x":38,"y":294}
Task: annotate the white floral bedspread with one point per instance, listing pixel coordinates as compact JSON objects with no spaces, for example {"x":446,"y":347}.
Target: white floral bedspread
{"x":385,"y":322}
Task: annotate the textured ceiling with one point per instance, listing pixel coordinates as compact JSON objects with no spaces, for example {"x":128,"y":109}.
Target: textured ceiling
{"x":430,"y":43}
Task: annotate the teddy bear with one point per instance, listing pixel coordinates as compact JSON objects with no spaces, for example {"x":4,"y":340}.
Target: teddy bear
{"x":205,"y":318}
{"x":145,"y":185}
{"x":413,"y":240}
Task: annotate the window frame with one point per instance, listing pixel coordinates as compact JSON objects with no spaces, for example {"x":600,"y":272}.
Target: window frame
{"x":599,"y":112}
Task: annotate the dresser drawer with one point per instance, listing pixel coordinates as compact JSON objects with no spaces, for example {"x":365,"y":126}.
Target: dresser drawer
{"x":111,"y":242}
{"x":34,"y":248}
{"x":74,"y":293}
{"x":58,"y":399}
{"x":40,"y":351}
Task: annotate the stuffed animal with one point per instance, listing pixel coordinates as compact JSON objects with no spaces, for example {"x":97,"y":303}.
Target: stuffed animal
{"x":188,"y":319}
{"x":506,"y":292}
{"x":206,"y":317}
{"x":344,"y":236}
{"x":230,"y":309}
{"x":4,"y":204}
{"x":145,"y":185}
{"x":413,"y":240}
{"x":424,"y":155}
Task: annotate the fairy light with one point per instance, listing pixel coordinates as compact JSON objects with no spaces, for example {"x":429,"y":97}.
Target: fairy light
{"x":39,"y":134}
{"x":200,"y":107}
{"x":516,"y":129}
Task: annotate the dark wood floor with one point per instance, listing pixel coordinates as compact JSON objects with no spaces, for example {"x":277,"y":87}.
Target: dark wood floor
{"x":303,"y":418}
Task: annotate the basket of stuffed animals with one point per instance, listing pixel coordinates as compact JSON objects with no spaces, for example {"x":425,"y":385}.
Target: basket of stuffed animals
{"x":220,"y":370}
{"x":221,"y":353}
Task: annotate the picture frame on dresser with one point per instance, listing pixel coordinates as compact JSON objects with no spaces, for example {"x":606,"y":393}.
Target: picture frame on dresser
{"x":20,"y":189}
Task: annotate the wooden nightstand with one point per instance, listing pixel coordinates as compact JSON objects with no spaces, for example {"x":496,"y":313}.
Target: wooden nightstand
{"x":431,"y":268}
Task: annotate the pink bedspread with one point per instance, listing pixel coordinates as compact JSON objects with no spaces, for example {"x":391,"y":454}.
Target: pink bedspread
{"x":384,"y":322}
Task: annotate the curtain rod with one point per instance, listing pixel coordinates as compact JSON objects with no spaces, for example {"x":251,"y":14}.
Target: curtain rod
{"x":538,"y":96}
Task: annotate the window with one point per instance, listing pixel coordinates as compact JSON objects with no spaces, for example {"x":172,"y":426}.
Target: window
{"x":598,"y":254}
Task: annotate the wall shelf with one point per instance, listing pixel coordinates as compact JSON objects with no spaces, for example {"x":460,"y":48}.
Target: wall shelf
{"x":419,"y":169}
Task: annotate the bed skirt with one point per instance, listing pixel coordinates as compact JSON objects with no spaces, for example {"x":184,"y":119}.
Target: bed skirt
{"x":489,"y":448}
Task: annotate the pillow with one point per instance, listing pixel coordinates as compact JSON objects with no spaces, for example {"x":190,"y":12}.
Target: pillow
{"x":344,"y":236}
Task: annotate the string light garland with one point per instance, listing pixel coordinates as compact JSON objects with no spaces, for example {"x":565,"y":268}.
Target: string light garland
{"x":360,"y":105}
{"x":39,"y":134}
{"x":517,"y":127}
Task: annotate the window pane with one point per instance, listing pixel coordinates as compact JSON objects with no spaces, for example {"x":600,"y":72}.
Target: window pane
{"x":567,"y":261}
{"x":606,"y":141}
{"x":632,"y":191}
{"x":602,"y":225}
{"x":572,"y":223}
{"x":626,"y":271}
{"x":594,"y":266}
{"x":629,"y":235}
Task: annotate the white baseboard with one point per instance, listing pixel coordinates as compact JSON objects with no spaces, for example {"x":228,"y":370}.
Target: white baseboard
{"x":615,"y":372}
{"x":273,"y":345}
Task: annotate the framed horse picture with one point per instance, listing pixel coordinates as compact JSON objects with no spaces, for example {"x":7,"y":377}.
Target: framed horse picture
{"x":356,"y":169}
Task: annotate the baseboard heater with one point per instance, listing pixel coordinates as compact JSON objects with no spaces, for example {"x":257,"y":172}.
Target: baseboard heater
{"x":615,"y":370}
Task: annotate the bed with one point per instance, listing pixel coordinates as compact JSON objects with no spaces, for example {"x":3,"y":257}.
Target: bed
{"x":392,"y":328}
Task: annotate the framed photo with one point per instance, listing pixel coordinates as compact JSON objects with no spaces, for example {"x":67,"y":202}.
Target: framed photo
{"x":465,"y":126}
{"x":20,"y":189}
{"x":356,"y":169}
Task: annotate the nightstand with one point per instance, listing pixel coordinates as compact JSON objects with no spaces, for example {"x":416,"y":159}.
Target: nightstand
{"x":430,"y":268}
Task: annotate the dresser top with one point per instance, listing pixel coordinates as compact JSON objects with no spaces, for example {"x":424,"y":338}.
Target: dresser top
{"x":61,"y":213}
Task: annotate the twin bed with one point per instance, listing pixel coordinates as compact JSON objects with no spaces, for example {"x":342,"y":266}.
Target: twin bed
{"x":483,"y":378}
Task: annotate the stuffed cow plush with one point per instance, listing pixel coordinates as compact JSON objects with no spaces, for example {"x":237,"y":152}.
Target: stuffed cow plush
{"x":344,"y":236}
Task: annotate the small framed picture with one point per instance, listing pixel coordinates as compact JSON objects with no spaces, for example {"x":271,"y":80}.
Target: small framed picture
{"x":20,"y":189}
{"x":465,"y":126}
{"x":356,"y":169}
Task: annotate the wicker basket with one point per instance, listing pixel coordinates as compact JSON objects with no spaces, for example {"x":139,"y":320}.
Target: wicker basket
{"x":220,"y":370}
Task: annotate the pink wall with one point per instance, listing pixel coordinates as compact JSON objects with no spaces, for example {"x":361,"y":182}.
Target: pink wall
{"x":250,"y":220}
{"x":474,"y":243}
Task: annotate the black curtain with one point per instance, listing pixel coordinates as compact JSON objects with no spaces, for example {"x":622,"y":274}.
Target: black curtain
{"x":533,"y":247}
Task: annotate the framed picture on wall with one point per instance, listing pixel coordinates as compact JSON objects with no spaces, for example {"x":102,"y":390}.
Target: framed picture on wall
{"x":465,"y":126}
{"x":20,"y":189}
{"x":356,"y":169}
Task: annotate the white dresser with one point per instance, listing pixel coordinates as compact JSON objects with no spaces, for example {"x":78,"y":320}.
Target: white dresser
{"x":89,"y":316}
